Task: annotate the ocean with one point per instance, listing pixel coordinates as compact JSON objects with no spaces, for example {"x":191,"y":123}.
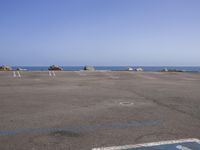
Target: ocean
{"x":113,"y":68}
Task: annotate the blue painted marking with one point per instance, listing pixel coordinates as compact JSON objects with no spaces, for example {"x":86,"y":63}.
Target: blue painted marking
{"x":83,"y":127}
{"x":176,"y":146}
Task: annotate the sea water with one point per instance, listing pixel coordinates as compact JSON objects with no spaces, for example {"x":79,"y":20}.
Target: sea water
{"x":113,"y":68}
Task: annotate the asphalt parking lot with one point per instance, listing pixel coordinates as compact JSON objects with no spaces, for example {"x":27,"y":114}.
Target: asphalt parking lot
{"x":80,"y":110}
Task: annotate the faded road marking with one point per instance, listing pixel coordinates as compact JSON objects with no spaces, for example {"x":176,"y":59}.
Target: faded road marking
{"x":52,"y":73}
{"x":16,"y":74}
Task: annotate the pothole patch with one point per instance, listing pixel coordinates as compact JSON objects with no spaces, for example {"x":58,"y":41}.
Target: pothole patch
{"x":126,"y":103}
{"x":64,"y":133}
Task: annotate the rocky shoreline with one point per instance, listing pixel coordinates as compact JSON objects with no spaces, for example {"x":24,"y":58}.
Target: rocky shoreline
{"x":91,"y":68}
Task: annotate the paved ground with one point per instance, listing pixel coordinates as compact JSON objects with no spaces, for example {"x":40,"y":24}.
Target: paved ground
{"x":83,"y":110}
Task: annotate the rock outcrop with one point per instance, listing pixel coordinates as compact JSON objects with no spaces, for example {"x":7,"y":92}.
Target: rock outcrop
{"x":5,"y":68}
{"x":89,"y":68}
{"x":130,"y":69}
{"x":139,"y":69}
{"x":21,"y":69}
{"x":164,"y":70}
{"x":171,"y":70}
{"x":55,"y":67}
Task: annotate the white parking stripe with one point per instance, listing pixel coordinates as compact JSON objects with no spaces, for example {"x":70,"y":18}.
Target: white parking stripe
{"x":14,"y":74}
{"x":148,"y":144}
{"x":53,"y":73}
{"x":18,"y":74}
{"x":50,"y":73}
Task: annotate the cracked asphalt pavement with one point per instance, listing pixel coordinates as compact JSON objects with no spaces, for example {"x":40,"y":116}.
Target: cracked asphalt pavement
{"x":83,"y":110}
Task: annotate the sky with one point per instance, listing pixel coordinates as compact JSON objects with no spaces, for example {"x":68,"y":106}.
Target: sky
{"x":100,"y":32}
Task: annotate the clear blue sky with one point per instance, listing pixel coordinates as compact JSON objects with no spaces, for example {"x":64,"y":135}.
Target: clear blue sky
{"x":100,"y":32}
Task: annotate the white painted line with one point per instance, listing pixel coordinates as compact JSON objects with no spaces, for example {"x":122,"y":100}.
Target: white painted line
{"x":150,"y":144}
{"x":111,"y":76}
{"x":50,"y":73}
{"x":81,"y":73}
{"x":190,"y":79}
{"x":14,"y":74}
{"x":53,"y":73}
{"x":18,"y":74}
{"x":182,"y":147}
{"x":114,"y":77}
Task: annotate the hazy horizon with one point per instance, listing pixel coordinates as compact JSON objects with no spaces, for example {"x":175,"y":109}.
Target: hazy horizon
{"x":100,"y":32}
